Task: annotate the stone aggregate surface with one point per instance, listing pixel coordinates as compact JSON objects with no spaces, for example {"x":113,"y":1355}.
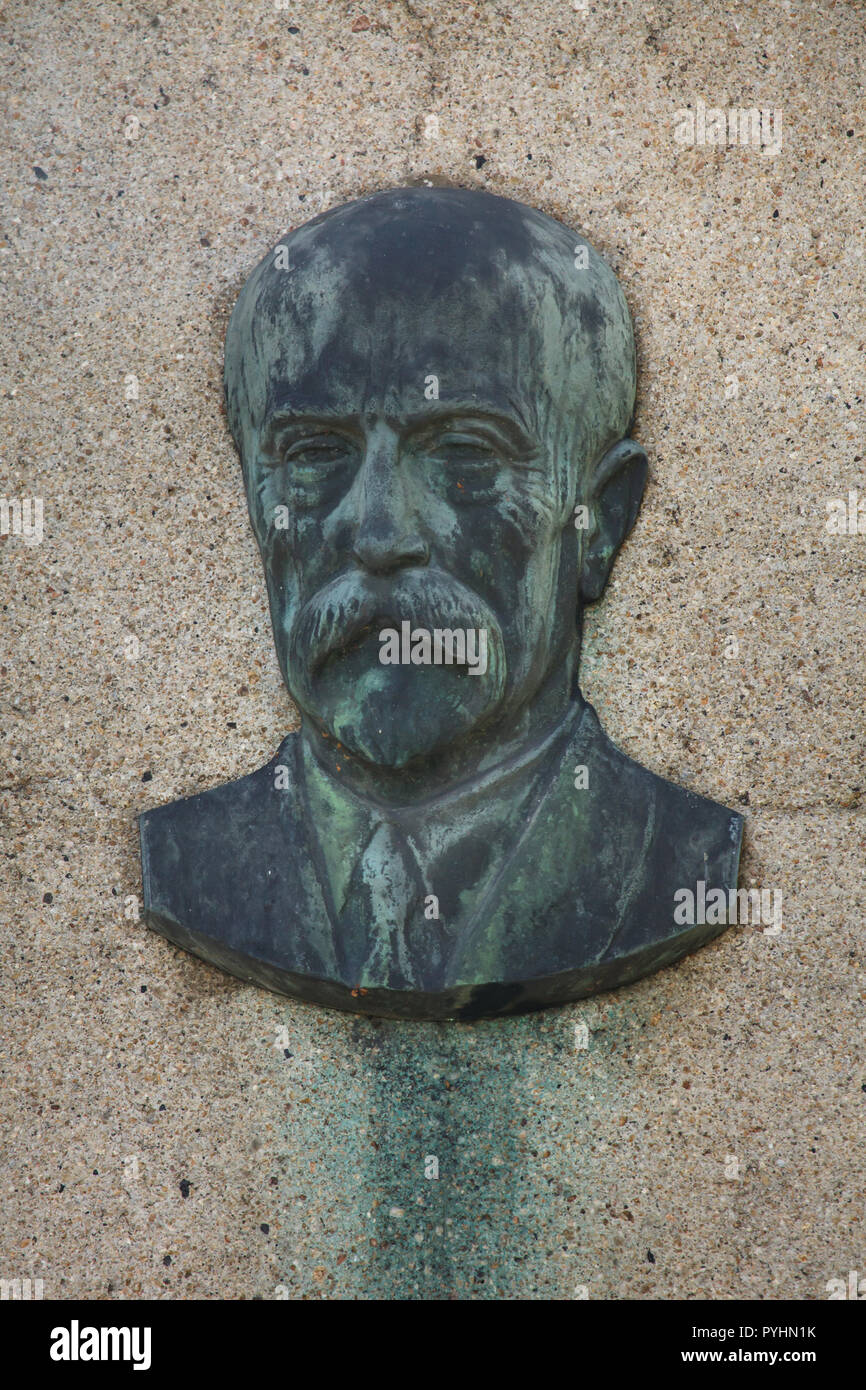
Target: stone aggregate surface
{"x":169,"y":1132}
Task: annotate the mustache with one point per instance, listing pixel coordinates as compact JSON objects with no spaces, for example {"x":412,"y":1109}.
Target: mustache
{"x":340,"y":614}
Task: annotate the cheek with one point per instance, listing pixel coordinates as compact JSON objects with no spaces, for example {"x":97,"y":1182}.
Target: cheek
{"x":296,"y":557}
{"x":284,"y":582}
{"x":307,"y":538}
{"x":510,"y":548}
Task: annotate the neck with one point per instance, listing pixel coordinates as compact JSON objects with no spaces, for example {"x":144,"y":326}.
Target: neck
{"x":482,"y":751}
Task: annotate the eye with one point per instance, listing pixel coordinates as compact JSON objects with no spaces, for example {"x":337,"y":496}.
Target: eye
{"x":469,"y":448}
{"x":313,"y":450}
{"x":465,"y":464}
{"x":316,"y":467}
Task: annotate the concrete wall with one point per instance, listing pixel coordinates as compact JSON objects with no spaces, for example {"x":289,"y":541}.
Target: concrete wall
{"x":172,"y":1133}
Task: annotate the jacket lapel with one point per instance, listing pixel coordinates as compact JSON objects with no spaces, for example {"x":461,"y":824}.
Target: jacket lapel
{"x":561,"y":894}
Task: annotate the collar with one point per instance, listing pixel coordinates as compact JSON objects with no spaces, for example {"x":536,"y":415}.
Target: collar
{"x":341,"y":820}
{"x":514,"y":764}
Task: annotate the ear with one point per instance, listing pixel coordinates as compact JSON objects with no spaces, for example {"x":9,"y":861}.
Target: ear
{"x":613,"y":498}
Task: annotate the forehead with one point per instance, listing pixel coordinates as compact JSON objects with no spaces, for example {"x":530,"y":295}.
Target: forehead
{"x":371,"y":301}
{"x":405,"y":350}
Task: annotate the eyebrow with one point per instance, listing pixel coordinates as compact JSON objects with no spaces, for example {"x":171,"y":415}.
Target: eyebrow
{"x":282,"y":420}
{"x":439,"y":414}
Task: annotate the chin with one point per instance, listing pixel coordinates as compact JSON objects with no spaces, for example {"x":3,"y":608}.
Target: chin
{"x":394,"y":717}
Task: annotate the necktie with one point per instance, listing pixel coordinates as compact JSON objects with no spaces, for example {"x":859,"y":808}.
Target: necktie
{"x":385,"y":938}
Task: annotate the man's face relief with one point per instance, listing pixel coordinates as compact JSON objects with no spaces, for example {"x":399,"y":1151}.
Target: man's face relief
{"x":412,"y":478}
{"x":431,"y":392}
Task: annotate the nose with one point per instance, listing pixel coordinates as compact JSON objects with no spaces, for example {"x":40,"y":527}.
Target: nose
{"x":387,"y":536}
